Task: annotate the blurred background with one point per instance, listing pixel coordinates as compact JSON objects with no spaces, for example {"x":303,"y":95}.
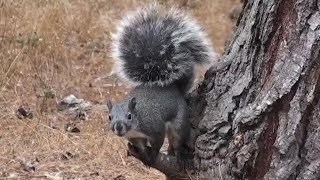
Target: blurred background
{"x":50,"y":49}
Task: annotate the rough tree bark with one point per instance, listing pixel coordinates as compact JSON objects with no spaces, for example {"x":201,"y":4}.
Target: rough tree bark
{"x":259,"y":116}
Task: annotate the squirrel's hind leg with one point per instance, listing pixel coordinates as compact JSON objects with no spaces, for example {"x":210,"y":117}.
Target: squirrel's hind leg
{"x":156,"y":144}
{"x":178,"y":134}
{"x":178,"y":131}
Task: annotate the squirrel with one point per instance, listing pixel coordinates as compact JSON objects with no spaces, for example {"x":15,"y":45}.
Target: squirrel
{"x":156,"y":50}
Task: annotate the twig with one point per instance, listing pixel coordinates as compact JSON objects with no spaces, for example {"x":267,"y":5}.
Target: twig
{"x":11,"y":65}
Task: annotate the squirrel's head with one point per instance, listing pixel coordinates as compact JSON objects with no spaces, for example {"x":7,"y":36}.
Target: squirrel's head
{"x":122,"y":116}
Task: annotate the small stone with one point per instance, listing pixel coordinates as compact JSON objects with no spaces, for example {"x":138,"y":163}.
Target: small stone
{"x":75,"y":107}
{"x":94,"y":174}
{"x":70,"y":127}
{"x":24,"y":112}
{"x":120,"y":177}
{"x":28,"y":165}
{"x":68,"y":101}
{"x":67,"y":156}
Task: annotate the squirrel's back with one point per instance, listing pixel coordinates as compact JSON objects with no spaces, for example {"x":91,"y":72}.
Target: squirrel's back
{"x":158,"y":101}
{"x":157,"y":106}
{"x":158,"y":47}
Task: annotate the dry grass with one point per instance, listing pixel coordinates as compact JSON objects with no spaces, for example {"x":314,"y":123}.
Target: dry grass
{"x":52,"y":48}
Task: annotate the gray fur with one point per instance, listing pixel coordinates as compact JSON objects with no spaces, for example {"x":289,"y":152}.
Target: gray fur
{"x":153,"y":46}
{"x":158,"y":110}
{"x":158,"y":51}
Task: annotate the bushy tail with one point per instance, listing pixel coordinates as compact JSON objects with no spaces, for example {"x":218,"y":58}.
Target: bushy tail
{"x":157,"y":47}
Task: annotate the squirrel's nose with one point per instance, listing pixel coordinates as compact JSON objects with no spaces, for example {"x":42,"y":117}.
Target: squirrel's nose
{"x":119,"y":127}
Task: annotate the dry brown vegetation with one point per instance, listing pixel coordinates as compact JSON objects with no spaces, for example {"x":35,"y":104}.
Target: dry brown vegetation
{"x":52,"y":48}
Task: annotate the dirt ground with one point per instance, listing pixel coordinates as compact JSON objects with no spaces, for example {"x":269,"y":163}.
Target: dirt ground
{"x":53,"y":48}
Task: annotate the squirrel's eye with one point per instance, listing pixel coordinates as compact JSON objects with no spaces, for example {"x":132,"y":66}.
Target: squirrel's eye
{"x":129,"y":116}
{"x":110,"y":118}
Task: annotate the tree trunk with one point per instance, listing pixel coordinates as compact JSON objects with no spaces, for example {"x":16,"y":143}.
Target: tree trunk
{"x":259,"y":116}
{"x":262,"y":119}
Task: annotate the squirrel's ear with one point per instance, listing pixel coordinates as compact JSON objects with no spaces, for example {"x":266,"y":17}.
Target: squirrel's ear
{"x":109,"y":104}
{"x":132,"y":103}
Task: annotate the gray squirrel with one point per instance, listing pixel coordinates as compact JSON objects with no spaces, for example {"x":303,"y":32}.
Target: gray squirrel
{"x":156,"y":50}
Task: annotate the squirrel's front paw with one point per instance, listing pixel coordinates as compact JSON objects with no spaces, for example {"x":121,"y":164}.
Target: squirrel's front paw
{"x":133,"y":151}
{"x":149,"y":157}
{"x":146,"y":155}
